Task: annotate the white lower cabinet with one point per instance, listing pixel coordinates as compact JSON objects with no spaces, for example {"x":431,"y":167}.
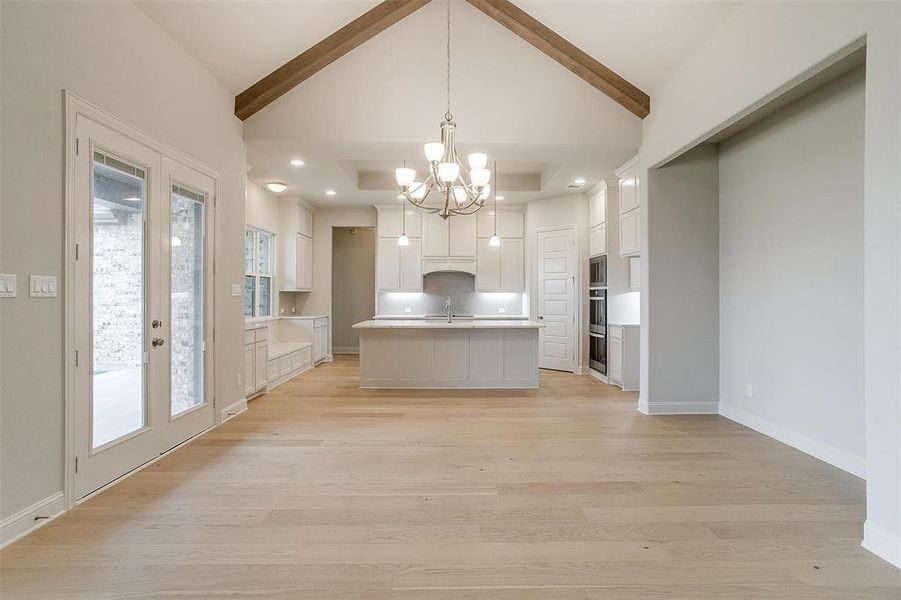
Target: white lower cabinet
{"x":320,"y":341}
{"x":288,"y":360}
{"x":623,"y":356}
{"x":256,"y":357}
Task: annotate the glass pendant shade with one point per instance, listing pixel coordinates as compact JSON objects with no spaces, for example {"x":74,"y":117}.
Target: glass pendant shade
{"x":403,"y":240}
{"x":494,"y":241}
{"x":478,"y":160}
{"x":480,"y":176}
{"x":483,"y":195}
{"x":460,"y":196}
{"x":448,"y":172}
{"x":405,"y":176}
{"x":434,"y":151}
{"x":417,"y":190}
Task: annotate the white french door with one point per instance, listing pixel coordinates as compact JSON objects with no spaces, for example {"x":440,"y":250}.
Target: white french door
{"x":556,"y":299}
{"x":142,"y":304}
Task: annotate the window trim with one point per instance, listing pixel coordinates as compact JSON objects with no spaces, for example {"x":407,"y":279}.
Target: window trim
{"x":255,"y":273}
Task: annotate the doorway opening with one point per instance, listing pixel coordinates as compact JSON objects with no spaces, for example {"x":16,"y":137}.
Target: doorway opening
{"x":353,"y":282}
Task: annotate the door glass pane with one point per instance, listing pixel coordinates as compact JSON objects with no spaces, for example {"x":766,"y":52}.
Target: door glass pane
{"x":249,"y":296}
{"x":186,"y":303}
{"x":117,"y":302}
{"x":265,"y":296}
{"x":264,"y":246}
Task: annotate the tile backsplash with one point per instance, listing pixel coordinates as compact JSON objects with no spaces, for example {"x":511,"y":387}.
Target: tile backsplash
{"x":460,"y":287}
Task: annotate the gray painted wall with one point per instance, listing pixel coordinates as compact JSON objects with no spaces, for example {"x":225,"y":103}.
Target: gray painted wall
{"x":353,"y":279}
{"x":683,"y":290}
{"x":791,"y":268}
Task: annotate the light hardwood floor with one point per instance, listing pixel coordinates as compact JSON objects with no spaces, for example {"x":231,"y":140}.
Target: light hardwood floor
{"x":322,"y":490}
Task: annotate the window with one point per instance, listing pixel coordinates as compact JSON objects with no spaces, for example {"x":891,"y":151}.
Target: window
{"x":258,"y":288}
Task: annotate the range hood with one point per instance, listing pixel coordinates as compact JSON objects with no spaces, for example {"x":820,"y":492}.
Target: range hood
{"x":445,"y":265}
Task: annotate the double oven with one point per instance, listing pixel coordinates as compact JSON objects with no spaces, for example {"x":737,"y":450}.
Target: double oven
{"x":597,"y":323}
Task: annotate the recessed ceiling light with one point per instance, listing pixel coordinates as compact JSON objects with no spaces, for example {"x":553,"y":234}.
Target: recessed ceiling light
{"x":498,"y":197}
{"x":297,"y":162}
{"x":331,"y":192}
{"x":277,"y":187}
{"x":579,"y":181}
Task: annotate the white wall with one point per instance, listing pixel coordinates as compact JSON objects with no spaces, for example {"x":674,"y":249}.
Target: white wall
{"x":571,"y":209}
{"x":113,"y":56}
{"x":353,"y":282}
{"x":791,"y":252}
{"x":684,"y":305}
{"x":761,"y":50}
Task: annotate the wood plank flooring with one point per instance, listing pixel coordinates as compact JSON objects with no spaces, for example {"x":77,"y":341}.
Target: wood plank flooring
{"x":322,"y":490}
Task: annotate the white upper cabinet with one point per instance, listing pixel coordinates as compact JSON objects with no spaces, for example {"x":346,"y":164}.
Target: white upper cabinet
{"x":509,"y":223}
{"x":392,"y":221}
{"x":597,"y":240}
{"x":399,"y":268}
{"x":435,"y":236}
{"x":597,"y":208}
{"x":305,"y":222}
{"x":462,"y":235}
{"x":500,"y":268}
{"x":629,"y":208}
{"x":295,"y":248}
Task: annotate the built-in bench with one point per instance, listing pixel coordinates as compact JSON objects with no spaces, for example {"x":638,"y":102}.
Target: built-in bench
{"x":287,"y":360}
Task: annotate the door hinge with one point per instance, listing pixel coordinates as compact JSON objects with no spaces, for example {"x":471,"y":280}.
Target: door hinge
{"x":76,"y":358}
{"x":77,"y":146}
{"x":77,"y":251}
{"x":214,"y":336}
{"x":76,"y":464}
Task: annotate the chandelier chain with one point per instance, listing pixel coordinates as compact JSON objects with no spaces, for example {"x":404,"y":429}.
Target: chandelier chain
{"x":448,"y":115}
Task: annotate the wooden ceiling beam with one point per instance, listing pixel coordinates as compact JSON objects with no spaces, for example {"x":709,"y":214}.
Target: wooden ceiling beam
{"x":305,"y":65}
{"x":548,"y":41}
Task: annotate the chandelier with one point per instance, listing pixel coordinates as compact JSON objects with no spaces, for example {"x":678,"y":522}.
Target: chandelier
{"x":461,"y":191}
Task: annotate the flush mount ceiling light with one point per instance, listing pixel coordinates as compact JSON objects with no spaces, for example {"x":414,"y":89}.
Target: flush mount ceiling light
{"x":277,"y":187}
{"x":447,"y":175}
{"x":330,"y":192}
{"x":297,"y":162}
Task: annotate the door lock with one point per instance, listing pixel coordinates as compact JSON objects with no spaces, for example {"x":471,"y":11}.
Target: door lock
{"x":156,"y":323}
{"x":158,"y":341}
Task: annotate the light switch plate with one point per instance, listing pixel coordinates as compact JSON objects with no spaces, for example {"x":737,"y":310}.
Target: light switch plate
{"x":7,"y":285}
{"x":42,"y":286}
{"x":236,"y":290}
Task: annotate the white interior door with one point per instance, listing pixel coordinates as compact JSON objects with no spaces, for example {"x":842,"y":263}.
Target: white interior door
{"x":141,"y":272}
{"x":556,"y":299}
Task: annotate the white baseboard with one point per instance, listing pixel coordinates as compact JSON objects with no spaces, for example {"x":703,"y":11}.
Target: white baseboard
{"x":234,"y":409}
{"x":882,"y":543}
{"x":598,"y":376}
{"x":837,"y":458}
{"x":31,"y":518}
{"x":708,"y":407}
{"x":581,"y":370}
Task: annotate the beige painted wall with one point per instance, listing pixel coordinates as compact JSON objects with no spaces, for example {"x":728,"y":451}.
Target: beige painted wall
{"x":353,"y":282}
{"x":113,"y":56}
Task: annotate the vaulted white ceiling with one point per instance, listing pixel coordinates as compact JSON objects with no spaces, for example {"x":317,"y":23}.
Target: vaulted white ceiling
{"x":376,"y":106}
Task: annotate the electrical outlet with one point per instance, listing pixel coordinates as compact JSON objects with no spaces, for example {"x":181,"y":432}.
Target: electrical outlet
{"x":749,"y":391}
{"x":501,"y":311}
{"x":239,"y":378}
{"x":282,"y":310}
{"x":407,"y":309}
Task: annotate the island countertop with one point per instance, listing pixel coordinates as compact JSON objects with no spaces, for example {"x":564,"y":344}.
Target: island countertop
{"x":443,"y":324}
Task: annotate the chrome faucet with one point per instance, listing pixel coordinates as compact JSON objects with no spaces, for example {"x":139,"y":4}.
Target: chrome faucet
{"x":447,"y":309}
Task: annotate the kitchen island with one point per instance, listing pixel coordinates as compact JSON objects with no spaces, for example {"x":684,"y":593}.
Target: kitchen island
{"x":435,"y":354}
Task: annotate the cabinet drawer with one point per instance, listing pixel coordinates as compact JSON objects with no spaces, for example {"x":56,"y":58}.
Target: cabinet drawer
{"x":320,"y":322}
{"x":616,"y":332}
{"x":262,"y":334}
{"x":249,"y":337}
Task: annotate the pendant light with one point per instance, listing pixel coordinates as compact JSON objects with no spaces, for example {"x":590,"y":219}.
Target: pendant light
{"x":403,"y":240}
{"x":494,"y":240}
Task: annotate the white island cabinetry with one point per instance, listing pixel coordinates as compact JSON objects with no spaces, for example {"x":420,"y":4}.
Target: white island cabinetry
{"x":475,"y":354}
